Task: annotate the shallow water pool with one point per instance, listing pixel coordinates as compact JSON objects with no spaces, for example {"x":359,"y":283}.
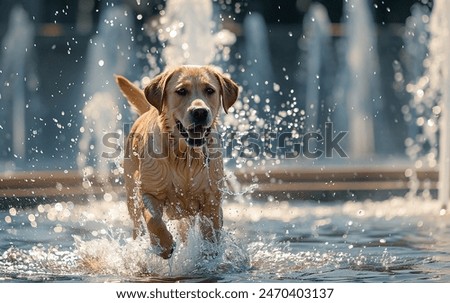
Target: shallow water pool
{"x":396,"y":240}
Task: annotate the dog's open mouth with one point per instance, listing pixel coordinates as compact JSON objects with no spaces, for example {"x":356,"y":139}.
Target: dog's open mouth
{"x":194,"y":136}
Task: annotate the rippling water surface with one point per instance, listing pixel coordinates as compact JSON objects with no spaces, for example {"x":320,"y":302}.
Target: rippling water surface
{"x":396,"y":240}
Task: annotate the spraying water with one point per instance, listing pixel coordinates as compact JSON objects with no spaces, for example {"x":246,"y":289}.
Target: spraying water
{"x":189,"y":38}
{"x":416,"y":40}
{"x":318,"y":34}
{"x":109,"y":52}
{"x":16,"y":46}
{"x":439,"y":87}
{"x":431,"y":102}
{"x":360,"y":77}
{"x":101,"y":117}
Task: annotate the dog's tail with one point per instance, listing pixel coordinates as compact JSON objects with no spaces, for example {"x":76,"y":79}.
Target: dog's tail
{"x":134,"y":95}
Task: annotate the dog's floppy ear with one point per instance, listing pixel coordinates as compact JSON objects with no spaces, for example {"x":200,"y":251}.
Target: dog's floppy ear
{"x":155,"y":90}
{"x":229,"y":91}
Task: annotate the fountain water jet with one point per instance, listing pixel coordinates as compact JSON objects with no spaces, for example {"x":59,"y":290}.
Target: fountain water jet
{"x":318,"y":32}
{"x":415,"y":39}
{"x":189,"y":38}
{"x":431,"y":101}
{"x":440,"y":81}
{"x":258,"y":77}
{"x":360,"y":77}
{"x":102,"y":115}
{"x":110,"y":52}
{"x":16,"y":46}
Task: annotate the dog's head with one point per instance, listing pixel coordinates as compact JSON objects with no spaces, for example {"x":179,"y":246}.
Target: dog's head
{"x":190,"y":98}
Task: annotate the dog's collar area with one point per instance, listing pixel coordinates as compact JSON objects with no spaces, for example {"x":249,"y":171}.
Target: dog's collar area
{"x":193,"y":142}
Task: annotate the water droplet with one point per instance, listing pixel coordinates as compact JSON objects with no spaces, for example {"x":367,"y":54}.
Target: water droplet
{"x":58,"y":207}
{"x":101,"y":62}
{"x":58,"y":228}
{"x":31,"y":218}
{"x":108,"y":197}
{"x":12,"y":211}
{"x":276,"y":87}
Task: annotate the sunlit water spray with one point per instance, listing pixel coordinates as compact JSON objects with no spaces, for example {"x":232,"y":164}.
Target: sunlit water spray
{"x":431,"y":101}
{"x":189,"y":39}
{"x":439,"y":46}
{"x":416,"y":42}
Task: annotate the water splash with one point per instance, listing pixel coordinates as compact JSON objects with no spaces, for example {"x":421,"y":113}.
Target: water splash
{"x":112,"y":251}
{"x":37,"y":263}
{"x":323,"y":242}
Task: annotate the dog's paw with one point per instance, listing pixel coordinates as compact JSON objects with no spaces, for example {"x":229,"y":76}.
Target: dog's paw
{"x":167,"y":253}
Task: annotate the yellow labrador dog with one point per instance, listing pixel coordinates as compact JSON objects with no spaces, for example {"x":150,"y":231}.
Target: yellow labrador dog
{"x":169,"y":168}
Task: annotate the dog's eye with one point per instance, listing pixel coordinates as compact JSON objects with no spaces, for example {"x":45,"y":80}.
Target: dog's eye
{"x":209,"y":91}
{"x":181,"y":92}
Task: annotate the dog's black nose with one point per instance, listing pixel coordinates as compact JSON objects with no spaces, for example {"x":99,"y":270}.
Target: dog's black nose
{"x":199,"y":116}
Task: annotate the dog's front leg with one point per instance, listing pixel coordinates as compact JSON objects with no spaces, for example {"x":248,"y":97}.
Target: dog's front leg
{"x":159,"y":235}
{"x":211,"y":226}
{"x":212,"y":222}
